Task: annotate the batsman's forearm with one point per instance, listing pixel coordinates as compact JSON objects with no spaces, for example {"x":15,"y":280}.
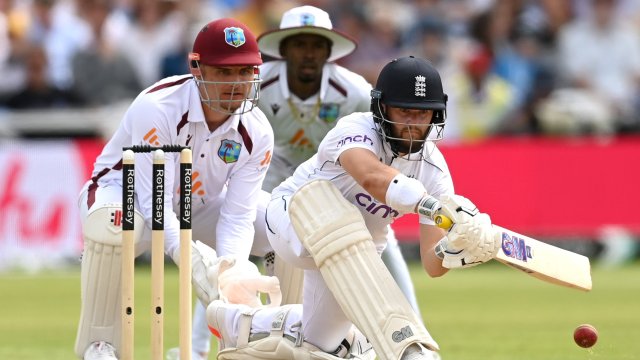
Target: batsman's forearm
{"x":429,"y":237}
{"x":431,"y":263}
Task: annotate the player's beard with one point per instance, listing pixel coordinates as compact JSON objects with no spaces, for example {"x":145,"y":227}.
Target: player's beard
{"x":305,"y":79}
{"x":308,"y":76}
{"x":412,"y":139}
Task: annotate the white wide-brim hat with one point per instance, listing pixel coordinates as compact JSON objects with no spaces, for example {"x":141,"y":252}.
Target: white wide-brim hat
{"x":306,"y":20}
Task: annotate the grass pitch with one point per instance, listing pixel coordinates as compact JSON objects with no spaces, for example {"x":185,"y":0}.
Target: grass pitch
{"x":487,"y":312}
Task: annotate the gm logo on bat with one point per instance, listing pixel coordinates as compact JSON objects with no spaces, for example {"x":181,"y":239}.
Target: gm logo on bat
{"x":515,"y":247}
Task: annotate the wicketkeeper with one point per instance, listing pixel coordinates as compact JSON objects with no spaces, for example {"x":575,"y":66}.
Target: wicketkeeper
{"x":213,"y":111}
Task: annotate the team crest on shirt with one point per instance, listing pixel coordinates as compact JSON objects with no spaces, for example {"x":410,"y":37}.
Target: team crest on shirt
{"x":234,"y":36}
{"x":329,"y":112}
{"x":275,"y":108}
{"x":229,"y":151}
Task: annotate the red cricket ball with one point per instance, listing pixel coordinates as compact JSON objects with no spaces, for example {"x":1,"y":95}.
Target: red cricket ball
{"x":585,"y":335}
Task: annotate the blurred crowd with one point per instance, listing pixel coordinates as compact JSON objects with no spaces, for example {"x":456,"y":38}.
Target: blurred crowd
{"x":510,"y":67}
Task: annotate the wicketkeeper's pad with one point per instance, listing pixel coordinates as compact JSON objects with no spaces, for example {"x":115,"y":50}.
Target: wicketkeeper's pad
{"x":100,"y":277}
{"x":275,"y":345}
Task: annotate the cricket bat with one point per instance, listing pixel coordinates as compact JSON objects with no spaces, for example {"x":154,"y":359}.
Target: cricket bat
{"x":538,"y":259}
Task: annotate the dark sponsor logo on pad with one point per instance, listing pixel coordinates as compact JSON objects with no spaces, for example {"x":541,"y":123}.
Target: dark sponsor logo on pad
{"x":402,"y":334}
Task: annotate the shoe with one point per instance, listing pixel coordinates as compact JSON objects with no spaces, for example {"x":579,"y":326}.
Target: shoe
{"x":100,"y":350}
{"x":355,"y":346}
{"x":419,"y":352}
{"x":174,"y":354}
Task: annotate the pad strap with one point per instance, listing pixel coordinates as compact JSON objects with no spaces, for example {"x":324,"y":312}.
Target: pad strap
{"x":244,"y":327}
{"x":278,"y":323}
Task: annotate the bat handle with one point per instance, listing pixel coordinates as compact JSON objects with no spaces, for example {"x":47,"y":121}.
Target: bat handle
{"x":443,"y":222}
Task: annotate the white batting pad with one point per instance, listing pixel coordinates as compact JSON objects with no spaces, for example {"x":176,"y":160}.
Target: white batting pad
{"x":100,"y":278}
{"x":334,"y":233}
{"x":104,"y":225}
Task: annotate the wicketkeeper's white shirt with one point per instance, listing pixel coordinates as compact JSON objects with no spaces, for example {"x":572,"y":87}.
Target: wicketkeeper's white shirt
{"x":300,"y":125}
{"x":231,"y":160}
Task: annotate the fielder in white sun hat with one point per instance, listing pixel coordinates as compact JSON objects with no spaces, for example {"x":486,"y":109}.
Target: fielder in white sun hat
{"x":306,"y":20}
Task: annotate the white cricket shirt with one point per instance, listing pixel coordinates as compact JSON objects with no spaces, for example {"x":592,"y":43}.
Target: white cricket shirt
{"x":300,"y":125}
{"x":233,"y":158}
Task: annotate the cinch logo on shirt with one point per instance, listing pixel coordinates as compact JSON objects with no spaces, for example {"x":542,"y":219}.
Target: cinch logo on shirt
{"x":356,"y":138}
{"x":151,"y":137}
{"x":371,"y":206}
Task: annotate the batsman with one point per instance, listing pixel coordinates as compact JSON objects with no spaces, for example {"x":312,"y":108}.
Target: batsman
{"x":331,"y":217}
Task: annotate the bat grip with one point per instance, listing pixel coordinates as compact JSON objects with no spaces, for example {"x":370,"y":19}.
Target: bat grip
{"x":443,"y":222}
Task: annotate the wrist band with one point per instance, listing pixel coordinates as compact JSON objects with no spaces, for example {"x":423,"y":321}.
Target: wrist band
{"x":404,"y":193}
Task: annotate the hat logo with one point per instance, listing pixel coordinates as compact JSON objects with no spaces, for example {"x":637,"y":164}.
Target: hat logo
{"x":307,"y":20}
{"x":421,"y":86}
{"x":234,"y":36}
